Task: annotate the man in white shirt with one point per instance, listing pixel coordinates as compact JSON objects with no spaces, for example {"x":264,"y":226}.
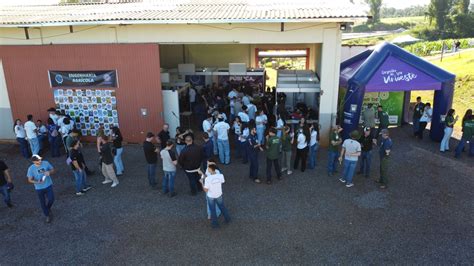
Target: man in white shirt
{"x":246,"y":99}
{"x":351,"y":150}
{"x":251,"y":110}
{"x":207,"y":127}
{"x":31,"y":134}
{"x":313,"y":146}
{"x":212,"y":185}
{"x":244,"y":117}
{"x":222,"y":130}
{"x":192,"y":98}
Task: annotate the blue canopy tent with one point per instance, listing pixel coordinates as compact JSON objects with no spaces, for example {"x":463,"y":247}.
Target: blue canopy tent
{"x":390,"y":68}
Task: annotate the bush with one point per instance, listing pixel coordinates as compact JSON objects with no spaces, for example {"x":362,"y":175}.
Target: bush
{"x":429,"y":48}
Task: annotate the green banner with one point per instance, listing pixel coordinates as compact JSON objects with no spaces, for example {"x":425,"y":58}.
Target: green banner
{"x":392,"y":103}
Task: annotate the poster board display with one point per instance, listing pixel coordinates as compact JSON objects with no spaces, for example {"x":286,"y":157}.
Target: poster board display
{"x":392,"y":103}
{"x":90,"y":109}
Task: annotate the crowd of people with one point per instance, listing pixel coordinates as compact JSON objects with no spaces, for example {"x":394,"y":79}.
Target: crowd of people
{"x":251,"y":121}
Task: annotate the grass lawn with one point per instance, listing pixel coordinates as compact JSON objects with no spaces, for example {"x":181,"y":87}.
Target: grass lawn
{"x":462,"y":66}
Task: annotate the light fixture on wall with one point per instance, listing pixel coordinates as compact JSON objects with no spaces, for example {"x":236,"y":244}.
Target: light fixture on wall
{"x":343,"y":26}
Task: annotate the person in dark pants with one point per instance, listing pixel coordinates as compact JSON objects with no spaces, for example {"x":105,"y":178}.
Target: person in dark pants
{"x":39,"y":174}
{"x":417,"y":113}
{"x":384,"y":152}
{"x":208,"y":150}
{"x":253,"y":147}
{"x":468,"y":132}
{"x":21,"y":138}
{"x":190,"y":159}
{"x":302,"y":139}
{"x":366,"y":143}
{"x":164,"y":136}
{"x":5,"y":184}
{"x":335,"y":141}
{"x":383,"y":120}
{"x":273,"y":145}
{"x":425,"y":119}
{"x":53,"y":138}
{"x":151,"y":156}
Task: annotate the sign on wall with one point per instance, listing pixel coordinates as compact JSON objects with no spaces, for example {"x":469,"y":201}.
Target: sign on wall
{"x":91,"y":109}
{"x":97,"y":79}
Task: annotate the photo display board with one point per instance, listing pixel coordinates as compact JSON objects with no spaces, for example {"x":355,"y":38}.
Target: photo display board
{"x":89,"y":108}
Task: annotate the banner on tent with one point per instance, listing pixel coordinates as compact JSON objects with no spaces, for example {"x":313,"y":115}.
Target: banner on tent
{"x":392,"y":103}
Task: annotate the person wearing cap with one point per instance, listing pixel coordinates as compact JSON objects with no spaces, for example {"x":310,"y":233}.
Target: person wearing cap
{"x":366,"y":142}
{"x":78,"y":168}
{"x":335,"y":141}
{"x":39,"y":174}
{"x":383,"y":120}
{"x":384,"y":152}
{"x":223,"y":147}
{"x":351,"y":151}
{"x":5,"y":184}
{"x":273,"y":145}
{"x":151,"y":157}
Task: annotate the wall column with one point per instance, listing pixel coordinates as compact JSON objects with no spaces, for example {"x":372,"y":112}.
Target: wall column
{"x":330,"y":65}
{"x":6,"y":127}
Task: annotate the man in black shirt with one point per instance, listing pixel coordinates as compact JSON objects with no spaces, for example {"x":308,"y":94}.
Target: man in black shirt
{"x":164,"y":136}
{"x":190,"y":159}
{"x":5,"y":183}
{"x":151,"y":156}
{"x":417,"y":114}
{"x":108,"y":163}
{"x":78,"y":168}
{"x":366,"y":142}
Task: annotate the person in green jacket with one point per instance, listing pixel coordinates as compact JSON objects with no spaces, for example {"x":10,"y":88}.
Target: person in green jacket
{"x":273,"y":144}
{"x":468,"y":132}
{"x":383,"y":120}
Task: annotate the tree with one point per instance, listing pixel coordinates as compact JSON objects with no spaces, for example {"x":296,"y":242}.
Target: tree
{"x":375,"y":6}
{"x":439,"y":11}
{"x":462,"y":6}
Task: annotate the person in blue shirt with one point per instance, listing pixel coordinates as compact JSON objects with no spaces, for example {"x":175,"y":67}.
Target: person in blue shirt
{"x":39,"y":174}
{"x":253,"y":147}
{"x":384,"y":152}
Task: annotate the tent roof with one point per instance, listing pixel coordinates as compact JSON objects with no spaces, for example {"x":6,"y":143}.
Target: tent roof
{"x":373,"y":59}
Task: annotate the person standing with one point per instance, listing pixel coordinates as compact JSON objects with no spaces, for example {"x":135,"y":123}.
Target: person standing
{"x":78,"y":168}
{"x":207,"y":128}
{"x":366,"y":143}
{"x":273,"y":145}
{"x":253,"y":147}
{"x":351,"y":151}
{"x":384,"y":152}
{"x":425,"y":119}
{"x":192,"y":99}
{"x":287,"y":141}
{"x":117,"y":141}
{"x":39,"y":174}
{"x":243,"y":143}
{"x":222,"y":130}
{"x":5,"y":184}
{"x":467,"y":133}
{"x":108,"y":163}
{"x":251,"y":110}
{"x":335,"y":141}
{"x":207,"y":150}
{"x":369,"y":118}
{"x":164,"y":135}
{"x":383,"y":120}
{"x":169,"y":168}
{"x":212,"y":185}
{"x":244,"y":117}
{"x":32,"y":135}
{"x":449,"y":122}
{"x":42,"y":133}
{"x":180,"y":144}
{"x":261,"y":121}
{"x":313,"y":146}
{"x":20,"y":134}
{"x":417,"y":114}
{"x":151,"y":157}
{"x":279,"y":126}
{"x":190,"y":159}
{"x":53,"y":138}
{"x":237,"y":128}
{"x":302,"y":138}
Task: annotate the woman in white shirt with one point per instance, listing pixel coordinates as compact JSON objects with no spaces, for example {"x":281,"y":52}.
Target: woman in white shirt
{"x":301,"y":148}
{"x":425,"y":119}
{"x":21,"y":138}
{"x":261,"y":121}
{"x":313,"y":146}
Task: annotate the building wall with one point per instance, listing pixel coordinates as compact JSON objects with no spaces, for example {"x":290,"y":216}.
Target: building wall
{"x":6,"y":126}
{"x":138,"y":67}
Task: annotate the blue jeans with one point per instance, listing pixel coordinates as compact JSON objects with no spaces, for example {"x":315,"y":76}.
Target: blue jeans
{"x":332,"y":161}
{"x":349,"y":169}
{"x":212,"y":206}
{"x":118,"y":161}
{"x":6,"y":194}
{"x":151,"y":169}
{"x":179,"y":149}
{"x":253,"y":158}
{"x":313,"y":151}
{"x":224,"y":151}
{"x":46,"y":194}
{"x":448,"y":131}
{"x":41,"y":141}
{"x":24,"y":147}
{"x":460,"y":147}
{"x":238,"y":148}
{"x":218,"y":211}
{"x":81,"y":179}
{"x":214,"y":143}
{"x":366,"y":159}
{"x":261,"y":134}
{"x":54,"y":146}
{"x":34,"y":145}
{"x":194,"y":182}
{"x":168,"y":182}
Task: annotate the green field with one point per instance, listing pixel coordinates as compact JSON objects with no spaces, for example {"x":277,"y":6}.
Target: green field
{"x":462,"y":65}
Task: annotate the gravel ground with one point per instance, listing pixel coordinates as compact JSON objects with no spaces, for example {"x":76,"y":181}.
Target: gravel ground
{"x":424,"y":217}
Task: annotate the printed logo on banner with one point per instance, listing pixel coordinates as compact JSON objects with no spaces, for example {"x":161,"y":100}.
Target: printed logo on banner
{"x":59,"y":79}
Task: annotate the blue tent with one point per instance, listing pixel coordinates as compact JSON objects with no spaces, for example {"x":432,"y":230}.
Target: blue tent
{"x":390,"y":68}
